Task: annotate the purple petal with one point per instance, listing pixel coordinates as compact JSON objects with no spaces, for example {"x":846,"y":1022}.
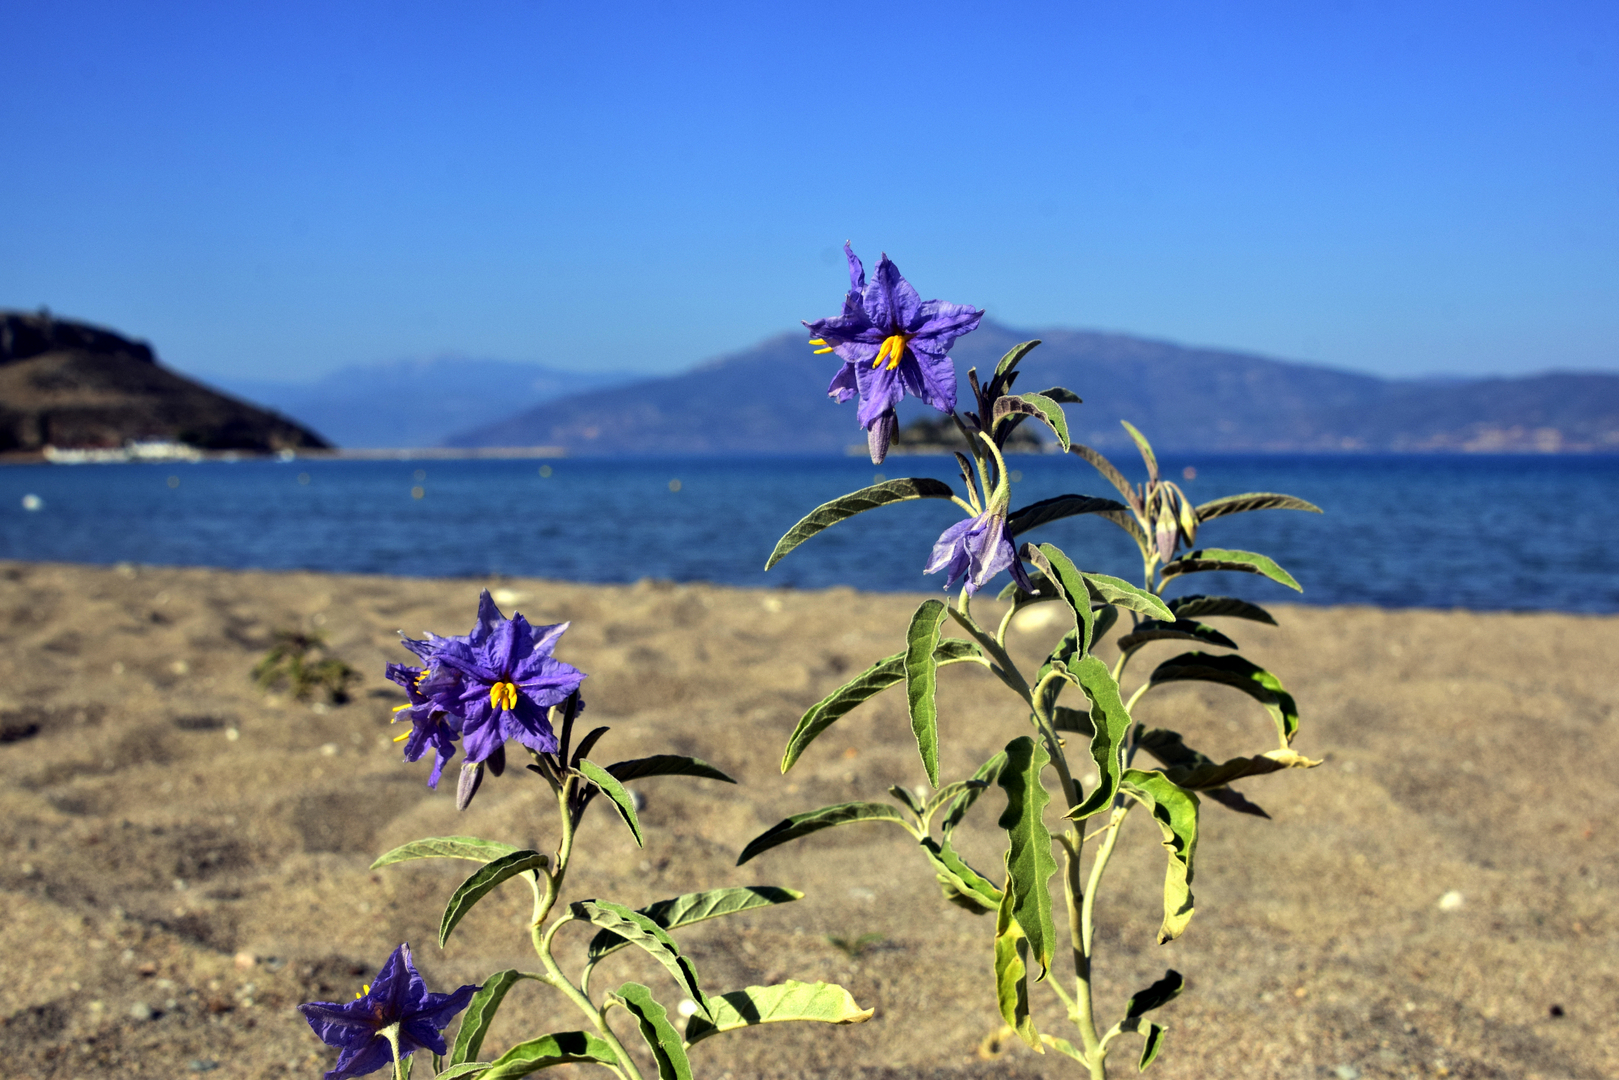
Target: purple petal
{"x":481,"y":737}
{"x":939,"y":324}
{"x":889,"y":301}
{"x":528,"y":725}
{"x":419,"y":1035}
{"x":459,"y":656}
{"x":361,"y":1059}
{"x":439,"y":1009}
{"x":339,"y":1024}
{"x":545,"y":638}
{"x":489,"y":617}
{"x":931,"y":378}
{"x":880,"y":391}
{"x":857,"y":271}
{"x":546,"y":680}
{"x":843,"y":385}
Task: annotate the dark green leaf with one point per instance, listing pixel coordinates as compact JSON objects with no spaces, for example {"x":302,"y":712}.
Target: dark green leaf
{"x":642,"y":932}
{"x":1198,"y":606}
{"x":868,"y":684}
{"x":1012,"y":971}
{"x":1039,"y":513}
{"x":548,"y":1050}
{"x":1063,"y":396}
{"x":825,"y":1003}
{"x":664,"y":765}
{"x":905,"y":798}
{"x":446,"y":847}
{"x":1158,"y":994}
{"x":660,"y":1035}
{"x":1110,"y":723}
{"x":1128,"y":523}
{"x":953,"y":870}
{"x":922,"y":681}
{"x":815,"y":820}
{"x":1175,"y":810}
{"x":1066,"y":719}
{"x":1014,"y":356}
{"x":482,"y":882}
{"x":1154,"y":1043}
{"x":945,"y":794}
{"x":1179,"y":630}
{"x":1060,"y":570}
{"x":1241,"y":674}
{"x":1038,"y":406}
{"x":1029,"y":863}
{"x":1107,"y":469}
{"x":1195,"y":771}
{"x":1242,"y":562}
{"x":986,"y":775}
{"x":587,"y":744}
{"x":609,"y":786}
{"x":695,"y":907}
{"x":1254,"y":500}
{"x":845,"y":506}
{"x":1145,"y":447}
{"x":480,"y":1014}
{"x":1106,"y":589}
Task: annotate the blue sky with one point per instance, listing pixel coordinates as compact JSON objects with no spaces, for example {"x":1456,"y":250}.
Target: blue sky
{"x":278,"y":190}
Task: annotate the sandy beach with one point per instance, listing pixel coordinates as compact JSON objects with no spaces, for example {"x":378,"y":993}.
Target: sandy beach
{"x":185,"y":857}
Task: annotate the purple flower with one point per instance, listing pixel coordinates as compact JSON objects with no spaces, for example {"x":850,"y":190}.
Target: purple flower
{"x":498,"y":681}
{"x":396,"y":1008}
{"x":977,"y":549}
{"x":431,"y":725}
{"x":892,"y":343}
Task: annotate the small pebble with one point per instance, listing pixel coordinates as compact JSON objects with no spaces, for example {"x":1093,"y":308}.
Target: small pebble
{"x":140,"y":1011}
{"x":1451,"y":901}
{"x":245,"y":960}
{"x":202,"y":1064}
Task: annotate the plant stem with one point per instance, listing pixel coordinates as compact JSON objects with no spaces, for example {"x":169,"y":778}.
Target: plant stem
{"x":1095,"y":1050}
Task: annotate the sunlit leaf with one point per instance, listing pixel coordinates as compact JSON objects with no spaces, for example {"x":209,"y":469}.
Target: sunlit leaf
{"x":1240,"y":674}
{"x":1195,"y":771}
{"x":642,"y":932}
{"x":922,"y":681}
{"x":814,"y":821}
{"x":1029,"y":862}
{"x":1175,"y":810}
{"x":1253,"y":500}
{"x":1060,"y":570}
{"x":822,"y":1002}
{"x":953,"y":870}
{"x":986,"y":775}
{"x":696,"y":907}
{"x":1110,"y":723}
{"x":605,"y":782}
{"x":1106,"y":589}
{"x":1013,"y":357}
{"x":846,"y":506}
{"x":446,"y":847}
{"x":1145,"y":447}
{"x":1038,"y":406}
{"x":480,"y":1014}
{"x":560,"y":1048}
{"x":1154,"y":1043}
{"x":661,"y":1037}
{"x":1242,"y":562}
{"x":1012,"y":973}
{"x":482,"y":882}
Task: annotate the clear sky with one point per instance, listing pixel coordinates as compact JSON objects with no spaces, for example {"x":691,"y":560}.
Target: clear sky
{"x":275,"y":190}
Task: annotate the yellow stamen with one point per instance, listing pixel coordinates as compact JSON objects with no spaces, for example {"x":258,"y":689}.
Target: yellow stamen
{"x":422,"y":677}
{"x":817,"y":341}
{"x":365,"y":988}
{"x":822,"y":352}
{"x":825,"y":348}
{"x":503,"y":695}
{"x":893,"y":350}
{"x":399,"y":708}
{"x":402,"y":738}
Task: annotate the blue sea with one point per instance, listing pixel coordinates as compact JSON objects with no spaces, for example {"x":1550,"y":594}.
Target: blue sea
{"x":1490,"y":533}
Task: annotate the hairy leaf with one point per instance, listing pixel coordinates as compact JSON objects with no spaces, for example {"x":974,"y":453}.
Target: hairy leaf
{"x":1198,"y":606}
{"x":986,"y":775}
{"x":1062,"y":396}
{"x":560,"y":1048}
{"x":464,"y":1071}
{"x":947,"y":793}
{"x":905,"y":798}
{"x":825,"y":1003}
{"x":482,"y":882}
{"x":1029,"y":863}
{"x":696,"y":907}
{"x":1242,"y":562}
{"x":980,"y":893}
{"x":1241,"y":674}
{"x":1039,"y":513}
{"x":815,"y":820}
{"x":1062,"y":1046}
{"x":1175,"y":810}
{"x":480,"y":1014}
{"x":660,"y":1035}
{"x":1012,"y":971}
{"x":1253,"y":500}
{"x":1110,"y":723}
{"x":446,"y":847}
{"x":1195,"y":771}
{"x":845,"y":506}
{"x":1061,"y":571}
{"x":922,"y":682}
{"x":1158,"y":994}
{"x":1038,"y":406}
{"x":1154,"y":1043}
{"x":1130,"y":525}
{"x":1145,"y":447}
{"x":1106,"y":589}
{"x":1179,"y":630}
{"x":609,"y":786}
{"x":869,"y":683}
{"x":1014,"y":356}
{"x":1109,"y":472}
{"x":640,"y":931}
{"x":664,"y":765}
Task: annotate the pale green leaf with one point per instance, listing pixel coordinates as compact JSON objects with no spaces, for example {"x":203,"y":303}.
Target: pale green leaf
{"x":922,"y":681}
{"x":480,"y":1014}
{"x":561,"y":1048}
{"x":660,"y":1035}
{"x":482,"y":882}
{"x":1038,"y":406}
{"x":1240,"y":674}
{"x":696,"y":907}
{"x":845,"y":506}
{"x":1029,"y":862}
{"x":1180,"y":630}
{"x":1242,"y":562}
{"x":1106,"y":589}
{"x":642,"y":932}
{"x":1012,"y":973}
{"x":985,"y":776}
{"x":1175,"y":810}
{"x":1013,"y":357}
{"x":1253,"y":500}
{"x":1110,"y":723}
{"x":1145,"y":447}
{"x":825,"y":1003}
{"x":609,"y":786}
{"x":446,"y":847}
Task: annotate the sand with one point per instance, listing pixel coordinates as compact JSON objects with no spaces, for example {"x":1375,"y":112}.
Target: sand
{"x":185,"y":857}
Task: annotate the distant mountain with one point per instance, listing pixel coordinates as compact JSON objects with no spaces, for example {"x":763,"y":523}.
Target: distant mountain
{"x":70,"y":385}
{"x":772,"y":398}
{"x":419,"y":402}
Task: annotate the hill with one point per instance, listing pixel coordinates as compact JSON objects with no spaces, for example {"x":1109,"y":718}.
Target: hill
{"x":68,"y":384}
{"x":772,"y":398}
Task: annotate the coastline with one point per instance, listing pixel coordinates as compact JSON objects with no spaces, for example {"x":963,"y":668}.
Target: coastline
{"x":173,"y":834}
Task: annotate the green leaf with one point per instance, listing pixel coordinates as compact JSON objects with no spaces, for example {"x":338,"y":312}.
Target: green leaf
{"x":1242,"y":562}
{"x":1145,"y":447}
{"x":1179,"y":630}
{"x":1241,"y":674}
{"x":561,"y":1048}
{"x":825,"y":1003}
{"x":1039,"y":513}
{"x":464,"y":1071}
{"x":642,"y":932}
{"x":845,"y":506}
{"x":446,"y":847}
{"x":1062,"y":396}
{"x":868,"y":684}
{"x":1106,"y":589}
{"x":696,"y":907}
{"x":1158,"y":994}
{"x":986,"y":775}
{"x":1107,"y":469}
{"x":664,"y":765}
{"x":482,"y":882}
{"x":922,"y":682}
{"x":1062,"y":1046}
{"x":1198,"y":606}
{"x":609,"y":786}
{"x":1059,"y":569}
{"x":905,"y":798}
{"x":1066,"y":719}
{"x":1195,"y":771}
{"x":1128,"y":523}
{"x":815,"y":820}
{"x":660,"y":1035}
{"x":1012,"y":971}
{"x":1110,"y":723}
{"x":953,"y":871}
{"x":1038,"y":406}
{"x":1029,"y":863}
{"x":480,"y":1014}
{"x":1175,"y":810}
{"x":1154,"y":1043}
{"x":1014,"y":356}
{"x":945,"y":794}
{"x":1254,"y":500}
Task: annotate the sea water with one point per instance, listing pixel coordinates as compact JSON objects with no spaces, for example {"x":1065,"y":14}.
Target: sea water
{"x":1484,"y":532}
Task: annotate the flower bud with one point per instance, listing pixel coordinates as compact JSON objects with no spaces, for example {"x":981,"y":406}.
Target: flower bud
{"x":880,"y":434}
{"x":467,"y":786}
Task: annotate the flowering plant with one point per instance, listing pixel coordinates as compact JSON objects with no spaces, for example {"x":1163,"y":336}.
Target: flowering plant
{"x":1099,"y":790}
{"x":500,"y":684}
